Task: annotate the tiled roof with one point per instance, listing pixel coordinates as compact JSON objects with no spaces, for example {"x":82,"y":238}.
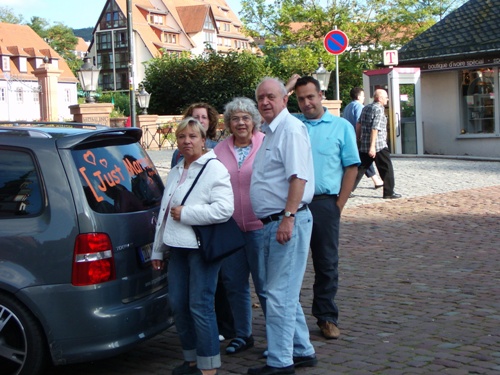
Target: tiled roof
{"x":21,"y":41}
{"x":82,"y":45}
{"x":193,"y":17}
{"x":470,"y":30}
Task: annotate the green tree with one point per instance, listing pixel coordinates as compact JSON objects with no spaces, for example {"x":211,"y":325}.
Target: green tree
{"x":7,"y":15}
{"x":293,"y":31}
{"x":61,"y":38}
{"x":39,"y":26}
{"x":176,"y":82}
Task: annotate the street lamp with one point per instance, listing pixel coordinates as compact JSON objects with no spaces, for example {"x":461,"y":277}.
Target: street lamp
{"x":323,"y":76}
{"x":143,"y":98}
{"x":88,"y":75}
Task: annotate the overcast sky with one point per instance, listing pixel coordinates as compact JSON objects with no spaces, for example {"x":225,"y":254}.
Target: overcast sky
{"x":73,"y":13}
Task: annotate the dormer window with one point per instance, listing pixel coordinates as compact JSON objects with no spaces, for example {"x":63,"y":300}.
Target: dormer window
{"x":169,"y":38}
{"x":23,"y":66}
{"x":156,"y":19}
{"x":224,"y":11}
{"x":6,"y":63}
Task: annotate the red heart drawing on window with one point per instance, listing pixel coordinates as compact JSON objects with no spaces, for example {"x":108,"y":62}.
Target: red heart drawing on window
{"x":89,"y":157}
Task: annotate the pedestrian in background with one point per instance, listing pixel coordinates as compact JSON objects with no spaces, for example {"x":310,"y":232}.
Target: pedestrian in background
{"x":352,"y":113}
{"x":237,"y":152}
{"x":373,"y":143}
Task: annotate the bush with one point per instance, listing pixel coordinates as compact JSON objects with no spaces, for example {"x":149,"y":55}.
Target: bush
{"x":121,"y":101}
{"x":176,"y":82}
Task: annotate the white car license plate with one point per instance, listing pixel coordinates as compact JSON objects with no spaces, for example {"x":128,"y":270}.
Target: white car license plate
{"x":145,"y":252}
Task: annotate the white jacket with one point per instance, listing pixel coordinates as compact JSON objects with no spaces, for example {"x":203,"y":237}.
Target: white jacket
{"x":211,"y":201}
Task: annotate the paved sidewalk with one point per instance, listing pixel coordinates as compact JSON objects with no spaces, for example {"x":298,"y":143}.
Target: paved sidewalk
{"x":419,"y":282}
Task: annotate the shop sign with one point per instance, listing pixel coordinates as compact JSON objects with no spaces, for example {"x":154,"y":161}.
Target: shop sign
{"x":461,"y":64}
{"x":390,"y":57}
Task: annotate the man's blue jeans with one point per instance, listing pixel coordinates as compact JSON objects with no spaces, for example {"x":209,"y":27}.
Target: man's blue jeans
{"x":286,"y":327}
{"x":235,"y":272}
{"x":192,"y":283}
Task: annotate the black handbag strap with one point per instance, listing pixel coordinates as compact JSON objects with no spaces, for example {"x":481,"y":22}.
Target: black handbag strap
{"x":196,"y":180}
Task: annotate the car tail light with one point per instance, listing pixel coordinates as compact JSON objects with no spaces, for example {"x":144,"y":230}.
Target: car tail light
{"x":93,"y":260}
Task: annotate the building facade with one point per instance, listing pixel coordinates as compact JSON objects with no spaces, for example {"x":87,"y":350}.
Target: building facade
{"x":22,"y":53}
{"x":459,"y":59}
{"x":160,"y":27}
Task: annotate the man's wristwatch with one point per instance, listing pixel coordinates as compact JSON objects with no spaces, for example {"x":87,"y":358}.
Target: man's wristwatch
{"x":289,"y":214}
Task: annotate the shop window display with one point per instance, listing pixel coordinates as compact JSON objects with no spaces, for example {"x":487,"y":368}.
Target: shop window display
{"x":478,"y":101}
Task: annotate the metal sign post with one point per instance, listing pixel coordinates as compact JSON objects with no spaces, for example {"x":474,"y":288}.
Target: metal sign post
{"x":336,"y":42}
{"x":131,"y":68}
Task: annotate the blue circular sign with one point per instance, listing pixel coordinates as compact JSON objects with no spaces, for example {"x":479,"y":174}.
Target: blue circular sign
{"x":336,"y":42}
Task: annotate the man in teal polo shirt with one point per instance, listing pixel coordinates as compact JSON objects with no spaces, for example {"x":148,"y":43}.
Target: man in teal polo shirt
{"x":336,"y":160}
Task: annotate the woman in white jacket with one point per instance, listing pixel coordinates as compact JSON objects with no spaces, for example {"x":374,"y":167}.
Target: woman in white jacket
{"x":192,"y":281}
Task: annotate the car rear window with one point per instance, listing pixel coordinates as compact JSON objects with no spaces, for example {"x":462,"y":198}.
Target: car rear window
{"x":20,"y":192}
{"x":118,"y":178}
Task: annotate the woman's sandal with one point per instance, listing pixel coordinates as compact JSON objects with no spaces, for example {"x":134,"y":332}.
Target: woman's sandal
{"x":239,"y":344}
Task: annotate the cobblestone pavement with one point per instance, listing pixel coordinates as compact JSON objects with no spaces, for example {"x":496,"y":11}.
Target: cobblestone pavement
{"x":419,"y":282}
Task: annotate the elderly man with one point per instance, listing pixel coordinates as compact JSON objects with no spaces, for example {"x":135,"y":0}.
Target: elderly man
{"x":282,"y":186}
{"x":373,"y":144}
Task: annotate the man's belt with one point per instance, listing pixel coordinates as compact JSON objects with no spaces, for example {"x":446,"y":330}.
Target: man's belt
{"x":277,"y":216}
{"x":324,"y":196}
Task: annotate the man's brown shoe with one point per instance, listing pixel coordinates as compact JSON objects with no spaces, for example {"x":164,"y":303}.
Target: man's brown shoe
{"x":329,"y":330}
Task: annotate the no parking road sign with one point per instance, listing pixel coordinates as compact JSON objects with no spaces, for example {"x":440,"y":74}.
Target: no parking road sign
{"x":336,"y":42}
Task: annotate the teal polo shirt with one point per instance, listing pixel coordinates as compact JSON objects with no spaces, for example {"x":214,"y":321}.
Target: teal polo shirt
{"x":333,"y":143}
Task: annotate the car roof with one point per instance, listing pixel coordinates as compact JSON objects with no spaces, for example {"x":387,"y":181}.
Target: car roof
{"x":67,"y":134}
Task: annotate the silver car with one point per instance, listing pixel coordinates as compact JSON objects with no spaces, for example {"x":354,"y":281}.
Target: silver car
{"x":78,"y":207}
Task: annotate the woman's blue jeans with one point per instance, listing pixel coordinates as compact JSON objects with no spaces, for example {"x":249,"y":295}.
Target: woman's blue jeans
{"x":192,"y":283}
{"x":235,"y":272}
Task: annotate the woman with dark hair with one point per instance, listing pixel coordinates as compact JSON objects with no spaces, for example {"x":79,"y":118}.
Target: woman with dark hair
{"x":208,"y":117}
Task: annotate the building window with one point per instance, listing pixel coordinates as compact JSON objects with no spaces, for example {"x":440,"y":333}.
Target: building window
{"x":121,"y":60}
{"x":156,"y":19}
{"x":219,"y":41}
{"x":122,"y":81}
{"x":114,"y":19}
{"x":210,"y":38}
{"x":208,"y":24}
{"x":121,"y":39}
{"x":227,"y":42}
{"x":23,"y":65}
{"x":478,"y":101}
{"x":67,"y":95}
{"x":105,"y":60}
{"x":19,"y":95}
{"x":227,"y":27}
{"x":104,"y":41}
{"x":169,"y":38}
{"x":107,"y":82}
